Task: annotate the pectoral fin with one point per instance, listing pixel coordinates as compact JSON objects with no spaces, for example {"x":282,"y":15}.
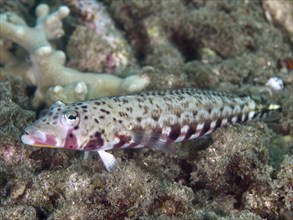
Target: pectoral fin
{"x":108,"y":160}
{"x":154,"y":140}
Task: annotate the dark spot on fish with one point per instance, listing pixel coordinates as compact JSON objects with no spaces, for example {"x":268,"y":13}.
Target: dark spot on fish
{"x":165,"y":99}
{"x":101,"y":117}
{"x":123,"y":114}
{"x":58,"y":109}
{"x":114,"y":119}
{"x":76,"y":108}
{"x":120,"y":121}
{"x":194,"y":113}
{"x":103,"y":102}
{"x":94,"y":107}
{"x":84,"y":106}
{"x":96,"y":120}
{"x":230,"y":118}
{"x":205,"y":128}
{"x":79,"y":103}
{"x":138,"y":119}
{"x":86,"y":117}
{"x":188,"y":92}
{"x":50,"y":113}
{"x":151,"y":101}
{"x":129,"y":109}
{"x":155,"y":117}
{"x":140,"y":100}
{"x":239,"y":118}
{"x":105,"y":111}
{"x":71,"y":135}
{"x":97,"y":134}
{"x":145,"y":110}
{"x":84,"y":110}
{"x":97,"y":103}
{"x":180,"y":97}
{"x":191,"y":130}
{"x":76,"y":127}
{"x":175,"y":132}
{"x":44,"y":120}
{"x":218,"y":123}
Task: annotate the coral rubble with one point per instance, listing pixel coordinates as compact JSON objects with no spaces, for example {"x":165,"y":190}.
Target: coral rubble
{"x":47,"y":67}
{"x":97,"y":45}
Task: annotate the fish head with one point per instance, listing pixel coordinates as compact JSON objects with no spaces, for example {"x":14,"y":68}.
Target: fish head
{"x":55,"y":129}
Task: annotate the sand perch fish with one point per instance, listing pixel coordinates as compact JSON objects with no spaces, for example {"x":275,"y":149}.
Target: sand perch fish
{"x":155,"y":119}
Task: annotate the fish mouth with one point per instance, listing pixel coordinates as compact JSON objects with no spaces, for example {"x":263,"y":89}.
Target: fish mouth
{"x":34,"y":137}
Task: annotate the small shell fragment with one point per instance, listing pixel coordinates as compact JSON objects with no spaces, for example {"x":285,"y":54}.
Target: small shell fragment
{"x":275,"y":83}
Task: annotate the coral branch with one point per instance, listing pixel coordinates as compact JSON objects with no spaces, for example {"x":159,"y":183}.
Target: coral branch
{"x":48,"y":68}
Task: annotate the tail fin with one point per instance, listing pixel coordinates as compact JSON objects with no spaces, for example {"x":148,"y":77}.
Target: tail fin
{"x":267,"y":112}
{"x":264,"y":109}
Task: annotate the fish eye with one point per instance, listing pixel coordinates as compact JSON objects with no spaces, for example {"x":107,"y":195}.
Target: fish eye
{"x":70,"y":118}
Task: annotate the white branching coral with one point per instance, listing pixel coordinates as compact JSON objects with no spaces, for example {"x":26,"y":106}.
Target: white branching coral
{"x":47,"y":64}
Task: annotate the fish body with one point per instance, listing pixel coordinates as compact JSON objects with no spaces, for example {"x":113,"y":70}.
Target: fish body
{"x":155,"y":119}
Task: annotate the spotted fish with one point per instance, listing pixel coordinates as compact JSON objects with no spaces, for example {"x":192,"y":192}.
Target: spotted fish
{"x":154,"y":119}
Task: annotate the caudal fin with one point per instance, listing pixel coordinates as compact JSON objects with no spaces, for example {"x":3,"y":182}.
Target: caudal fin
{"x":267,"y":112}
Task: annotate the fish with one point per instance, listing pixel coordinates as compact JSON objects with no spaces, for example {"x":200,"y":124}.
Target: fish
{"x":155,"y":119}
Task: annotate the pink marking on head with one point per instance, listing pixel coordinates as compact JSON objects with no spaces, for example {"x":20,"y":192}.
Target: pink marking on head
{"x":70,"y":141}
{"x":51,"y":140}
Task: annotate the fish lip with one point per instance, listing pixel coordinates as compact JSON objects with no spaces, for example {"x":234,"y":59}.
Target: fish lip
{"x":35,"y":137}
{"x":33,"y":134}
{"x":26,"y":130}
